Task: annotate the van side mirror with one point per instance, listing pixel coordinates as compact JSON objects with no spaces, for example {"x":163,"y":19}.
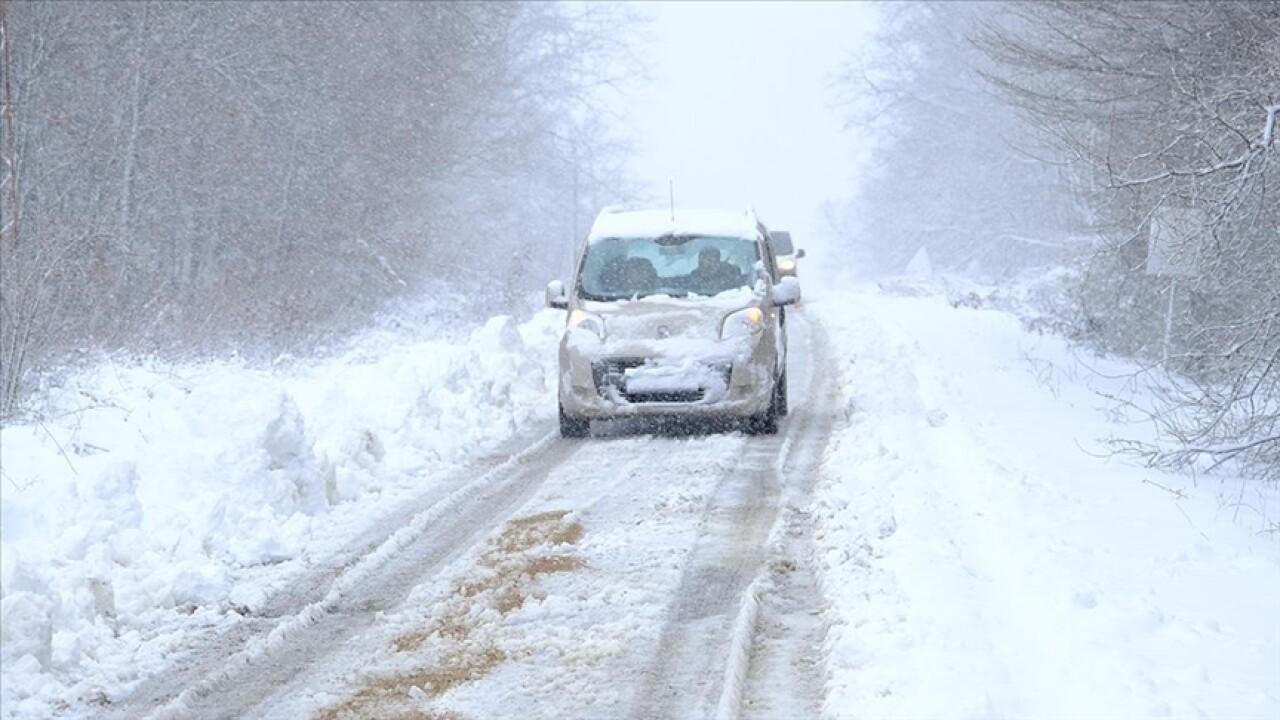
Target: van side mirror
{"x":556,"y":297}
{"x":799,"y":253}
{"x":786,"y":292}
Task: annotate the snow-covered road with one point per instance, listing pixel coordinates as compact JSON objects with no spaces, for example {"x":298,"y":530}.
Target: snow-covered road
{"x":613,"y":577}
{"x":935,"y":532}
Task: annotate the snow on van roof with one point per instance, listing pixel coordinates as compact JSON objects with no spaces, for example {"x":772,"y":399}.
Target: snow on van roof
{"x":652,"y":223}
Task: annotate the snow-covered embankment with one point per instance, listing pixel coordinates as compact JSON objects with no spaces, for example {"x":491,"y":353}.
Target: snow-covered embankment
{"x":982,"y":553}
{"x":158,"y":500}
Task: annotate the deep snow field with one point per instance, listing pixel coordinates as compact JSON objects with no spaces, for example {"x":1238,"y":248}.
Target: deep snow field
{"x":981,"y":552}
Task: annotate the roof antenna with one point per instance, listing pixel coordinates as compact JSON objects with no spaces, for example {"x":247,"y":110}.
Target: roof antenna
{"x":671,"y":187}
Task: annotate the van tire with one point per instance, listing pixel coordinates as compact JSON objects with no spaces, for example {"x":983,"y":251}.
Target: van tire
{"x":573,"y":427}
{"x":781,"y":393}
{"x":766,"y":423}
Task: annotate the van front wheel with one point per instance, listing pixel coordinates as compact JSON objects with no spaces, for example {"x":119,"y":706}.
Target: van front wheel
{"x":781,"y":394}
{"x":766,"y":423}
{"x":573,"y":427}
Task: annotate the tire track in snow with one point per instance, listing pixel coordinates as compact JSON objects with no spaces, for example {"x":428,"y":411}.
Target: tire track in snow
{"x":703,"y":657}
{"x":575,"y":651}
{"x":783,"y":675}
{"x":685,"y":677}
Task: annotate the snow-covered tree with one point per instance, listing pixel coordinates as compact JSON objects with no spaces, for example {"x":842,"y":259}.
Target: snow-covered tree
{"x":954,"y":168}
{"x":1168,"y":112}
{"x":193,"y":176}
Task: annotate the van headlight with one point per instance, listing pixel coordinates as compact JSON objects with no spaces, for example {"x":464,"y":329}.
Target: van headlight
{"x":743,"y":323}
{"x":594,"y":324}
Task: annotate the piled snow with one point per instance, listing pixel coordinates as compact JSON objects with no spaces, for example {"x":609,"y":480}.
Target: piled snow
{"x":983,"y":555}
{"x":151,"y":493}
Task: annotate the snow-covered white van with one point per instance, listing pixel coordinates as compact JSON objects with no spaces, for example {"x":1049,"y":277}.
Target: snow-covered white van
{"x":674,"y":314}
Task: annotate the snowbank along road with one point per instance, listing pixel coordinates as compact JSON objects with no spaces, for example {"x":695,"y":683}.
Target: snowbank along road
{"x":631,"y":574}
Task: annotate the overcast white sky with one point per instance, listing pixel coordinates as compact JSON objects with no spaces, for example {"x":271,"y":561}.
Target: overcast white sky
{"x":740,"y":110}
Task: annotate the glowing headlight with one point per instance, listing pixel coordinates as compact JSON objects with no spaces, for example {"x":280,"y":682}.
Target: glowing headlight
{"x":786,"y":265}
{"x":742,"y":323}
{"x":593,"y":324}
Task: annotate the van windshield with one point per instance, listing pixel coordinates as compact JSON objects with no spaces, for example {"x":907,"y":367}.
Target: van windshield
{"x":675,"y":265}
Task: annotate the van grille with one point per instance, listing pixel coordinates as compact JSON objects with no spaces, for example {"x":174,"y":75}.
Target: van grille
{"x":609,"y":375}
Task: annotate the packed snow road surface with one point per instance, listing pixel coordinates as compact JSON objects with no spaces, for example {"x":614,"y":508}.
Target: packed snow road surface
{"x":583,"y":578}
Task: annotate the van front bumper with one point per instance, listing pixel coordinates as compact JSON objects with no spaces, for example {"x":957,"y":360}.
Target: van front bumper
{"x":635,"y":384}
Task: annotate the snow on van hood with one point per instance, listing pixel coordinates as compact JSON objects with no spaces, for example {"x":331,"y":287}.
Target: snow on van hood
{"x":665,"y":326}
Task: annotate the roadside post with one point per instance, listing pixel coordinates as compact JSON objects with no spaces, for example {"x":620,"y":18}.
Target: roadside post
{"x":1173,"y":251}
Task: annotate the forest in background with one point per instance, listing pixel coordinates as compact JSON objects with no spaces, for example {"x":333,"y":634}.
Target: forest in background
{"x":194,"y":178}
{"x":197,"y":178}
{"x":1133,"y":143}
